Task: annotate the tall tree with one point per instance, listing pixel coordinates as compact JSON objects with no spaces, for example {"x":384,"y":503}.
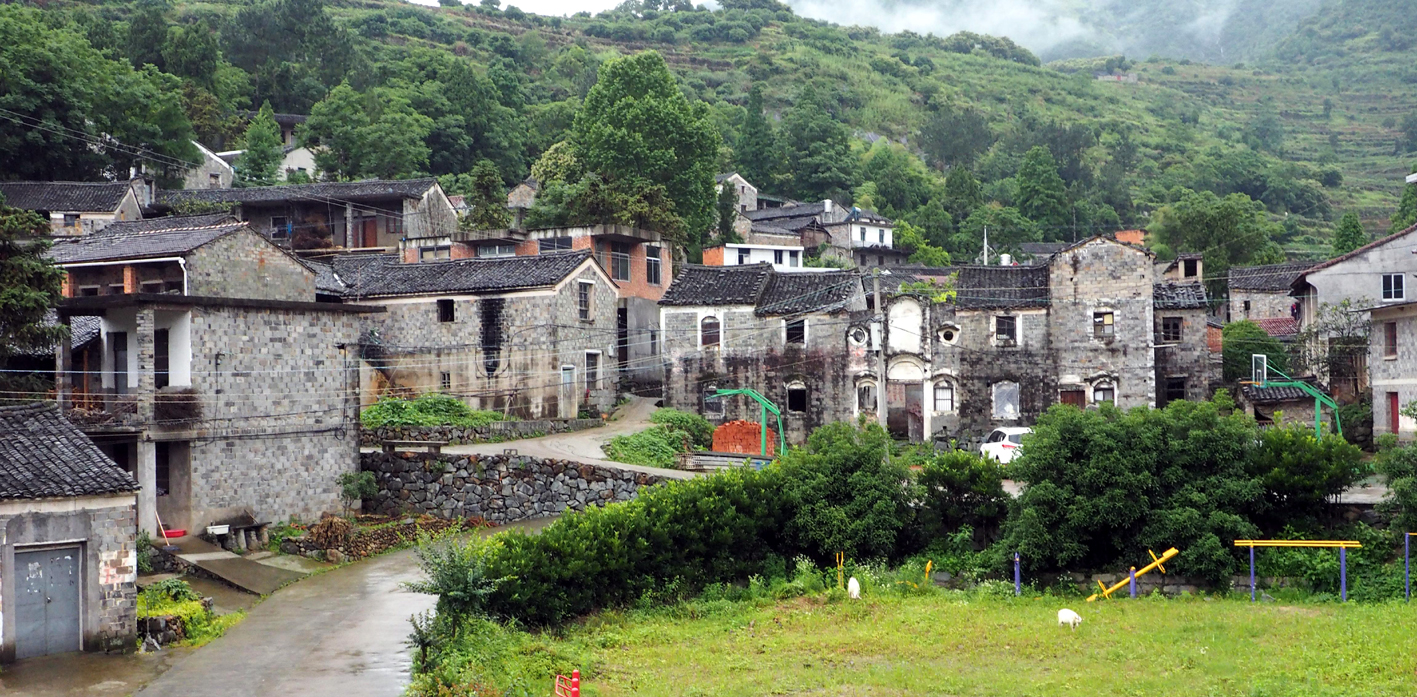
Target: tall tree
{"x":487,"y":199}
{"x":727,"y":211}
{"x":1041,"y":194}
{"x":32,"y":283}
{"x":1008,"y":230}
{"x":1230,"y":231}
{"x":259,"y":165}
{"x":335,"y":132}
{"x":636,"y":125}
{"x":292,"y":48}
{"x":818,"y":150}
{"x":147,"y":33}
{"x":374,"y":135}
{"x":902,"y":184}
{"x":1406,"y":214}
{"x":962,"y":193}
{"x":192,"y":52}
{"x":756,"y":152}
{"x":953,"y":137}
{"x":1349,"y":235}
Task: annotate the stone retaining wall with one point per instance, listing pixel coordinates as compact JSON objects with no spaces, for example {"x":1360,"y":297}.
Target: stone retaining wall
{"x":498,"y":488}
{"x":494,"y":432}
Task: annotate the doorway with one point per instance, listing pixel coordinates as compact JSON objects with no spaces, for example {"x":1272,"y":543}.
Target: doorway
{"x":47,"y":604}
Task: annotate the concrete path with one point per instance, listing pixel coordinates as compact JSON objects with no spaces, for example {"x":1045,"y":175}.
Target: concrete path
{"x":583,"y":446}
{"x":335,"y":634}
{"x":250,"y":576}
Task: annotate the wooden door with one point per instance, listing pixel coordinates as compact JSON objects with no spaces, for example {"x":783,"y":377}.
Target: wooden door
{"x":1393,"y":412}
{"x":1077,"y":398}
{"x":369,"y":233}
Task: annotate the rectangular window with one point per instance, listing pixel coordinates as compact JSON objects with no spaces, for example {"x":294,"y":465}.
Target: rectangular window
{"x":583,"y":297}
{"x":944,"y":396}
{"x":742,"y":257}
{"x":797,"y":399}
{"x":446,"y":311}
{"x":1393,"y":288}
{"x":863,"y":234}
{"x":280,"y":227}
{"x":492,"y":334}
{"x":1247,"y":308}
{"x":708,"y":332}
{"x":794,"y":259}
{"x":496,"y":250}
{"x":1190,"y":268}
{"x":115,"y":289}
{"x":553,"y":244}
{"x":150,"y":287}
{"x":162,"y":352}
{"x":88,"y":291}
{"x":1175,"y":389}
{"x":619,"y":261}
{"x":713,"y":406}
{"x":1171,"y":329}
{"x":592,"y":370}
{"x":881,"y":235}
{"x":119,"y":341}
{"x":213,"y":181}
{"x":653,"y":263}
{"x":654,"y":342}
{"x":445,"y":381}
{"x":163,"y":467}
{"x":172,"y":287}
{"x":1104,"y":392}
{"x":880,"y":260}
{"x":434,"y":253}
{"x":1006,"y":329}
{"x":866,"y":399}
{"x":777,"y":256}
{"x":395,"y":225}
{"x":796,"y":332}
{"x":1390,"y":340}
{"x":1102,"y":325}
{"x":71,"y":220}
{"x":1005,"y":400}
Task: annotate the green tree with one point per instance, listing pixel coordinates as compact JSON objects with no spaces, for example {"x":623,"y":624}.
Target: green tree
{"x":1349,"y":235}
{"x":818,"y":149}
{"x":756,"y":152}
{"x":1041,"y":194}
{"x":292,"y":48}
{"x":638,"y":131}
{"x":1300,"y":472}
{"x":395,"y":140}
{"x":727,"y":213}
{"x":960,"y":488}
{"x":954,"y":137}
{"x":191,"y":52}
{"x":934,"y":221}
{"x":335,"y":132}
{"x":487,"y":199}
{"x":147,"y":33}
{"x":1406,"y":215}
{"x":1243,"y":339}
{"x":1008,"y":229}
{"x":908,"y":236}
{"x":32,"y":284}
{"x":374,"y":135}
{"x":962,"y":193}
{"x":902,"y":184}
{"x":1230,"y":231}
{"x":259,"y":164}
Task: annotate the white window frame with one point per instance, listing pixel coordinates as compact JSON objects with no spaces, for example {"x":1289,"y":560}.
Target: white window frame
{"x":954,"y":396}
{"x":1394,"y":287}
{"x":787,"y":322}
{"x":585,"y":312}
{"x":1107,"y":385}
{"x":700,"y":329}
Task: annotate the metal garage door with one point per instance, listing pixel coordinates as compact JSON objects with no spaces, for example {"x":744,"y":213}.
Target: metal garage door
{"x":47,"y":612}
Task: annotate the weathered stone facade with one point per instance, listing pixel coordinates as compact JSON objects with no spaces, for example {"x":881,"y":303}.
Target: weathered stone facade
{"x":498,"y":488}
{"x":106,"y":528}
{"x":1392,"y":367}
{"x":244,"y":265}
{"x":495,"y":432}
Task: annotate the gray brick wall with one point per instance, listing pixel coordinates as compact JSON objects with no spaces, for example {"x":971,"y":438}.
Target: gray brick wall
{"x":1262,"y":305}
{"x":1188,"y":359}
{"x":541,"y":332}
{"x":1104,"y":276}
{"x":246,"y":265}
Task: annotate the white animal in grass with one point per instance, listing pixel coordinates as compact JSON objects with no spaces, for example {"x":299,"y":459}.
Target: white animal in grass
{"x":1068,"y":617}
{"x":853,"y":589}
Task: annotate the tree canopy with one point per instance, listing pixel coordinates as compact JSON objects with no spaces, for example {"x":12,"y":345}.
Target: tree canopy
{"x":259,"y":165}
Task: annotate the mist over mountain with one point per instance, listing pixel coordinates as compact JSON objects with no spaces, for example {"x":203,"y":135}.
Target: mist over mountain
{"x":1215,"y":31}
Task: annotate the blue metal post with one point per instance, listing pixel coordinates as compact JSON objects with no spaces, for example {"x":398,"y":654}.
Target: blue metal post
{"x":1132,"y":573}
{"x":1018,"y":580}
{"x":1252,"y":573}
{"x":1343,"y":572}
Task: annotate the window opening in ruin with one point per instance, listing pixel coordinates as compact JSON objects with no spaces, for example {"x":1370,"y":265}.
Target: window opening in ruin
{"x":708,"y":332}
{"x":1171,"y":329}
{"x":445,"y":381}
{"x":797,"y":332}
{"x":1006,"y":400}
{"x":944,"y":396}
{"x":492,"y":336}
{"x":1006,"y":329}
{"x":1102,"y":325}
{"x":866,"y":399}
{"x":446,"y":311}
{"x":1104,"y":392}
{"x":797,"y":397}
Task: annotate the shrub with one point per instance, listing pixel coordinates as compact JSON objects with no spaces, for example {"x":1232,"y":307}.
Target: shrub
{"x":696,"y":426}
{"x":1300,"y":472}
{"x":1240,"y":340}
{"x":356,"y":486}
{"x":456,"y":574}
{"x":653,"y":447}
{"x":1398,"y":466}
{"x":431,"y":409}
{"x":960,"y":489}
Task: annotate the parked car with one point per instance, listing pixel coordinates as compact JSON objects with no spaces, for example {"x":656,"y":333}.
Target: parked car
{"x":1004,"y":444}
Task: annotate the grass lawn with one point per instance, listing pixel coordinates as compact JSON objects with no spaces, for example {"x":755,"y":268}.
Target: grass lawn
{"x":954,"y":644}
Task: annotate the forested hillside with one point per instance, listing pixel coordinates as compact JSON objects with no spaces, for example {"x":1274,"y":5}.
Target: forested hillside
{"x":950,"y":134}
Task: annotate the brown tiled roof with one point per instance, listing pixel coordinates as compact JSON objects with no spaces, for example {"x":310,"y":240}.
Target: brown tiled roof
{"x":1279,"y":327}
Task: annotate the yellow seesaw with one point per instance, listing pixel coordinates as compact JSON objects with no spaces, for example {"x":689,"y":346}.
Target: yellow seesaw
{"x":1155,"y":564}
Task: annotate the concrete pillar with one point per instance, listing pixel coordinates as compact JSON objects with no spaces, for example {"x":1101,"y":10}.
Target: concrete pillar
{"x":349,"y":226}
{"x":146,"y":468}
{"x":63,"y":370}
{"x":146,"y":383}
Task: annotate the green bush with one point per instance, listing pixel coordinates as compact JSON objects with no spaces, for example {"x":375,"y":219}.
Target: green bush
{"x":696,"y":426}
{"x":431,"y":409}
{"x":658,"y":446}
{"x":455,"y":574}
{"x":1300,"y":472}
{"x":959,"y":489}
{"x":1241,"y":340}
{"x":1398,"y":467}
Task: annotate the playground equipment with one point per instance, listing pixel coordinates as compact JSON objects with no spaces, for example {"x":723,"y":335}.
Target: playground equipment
{"x":1134,"y":572}
{"x":1259,"y":374}
{"x":767,"y":406}
{"x":1342,"y":545}
{"x":568,"y":687}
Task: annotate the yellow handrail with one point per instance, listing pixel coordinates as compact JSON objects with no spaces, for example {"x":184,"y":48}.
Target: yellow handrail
{"x":1298,"y":543}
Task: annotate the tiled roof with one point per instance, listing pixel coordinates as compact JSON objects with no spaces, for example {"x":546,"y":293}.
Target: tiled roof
{"x":57,"y":197}
{"x":1178,"y":296}
{"x":170,"y":222}
{"x":718,"y":285}
{"x":82,"y":330}
{"x":389,"y":277}
{"x":138,"y":245}
{"x":326,"y":280}
{"x":1040,"y":251}
{"x":1183,"y":256}
{"x":809,"y":210}
{"x":1271,"y":277}
{"x":1264,"y":395}
{"x":1003,"y":287}
{"x":1356,"y":252}
{"x":796,"y":292}
{"x":42,"y":455}
{"x":1279,"y":327}
{"x":331,"y":191}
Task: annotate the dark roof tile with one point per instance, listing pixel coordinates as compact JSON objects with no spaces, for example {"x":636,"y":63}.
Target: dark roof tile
{"x":386,"y":276}
{"x":43,"y":455}
{"x":1271,"y":277}
{"x":327,"y":191}
{"x":796,"y":292}
{"x":138,"y":245}
{"x":170,"y":222}
{"x":1178,"y":296}
{"x":718,"y":285}
{"x":64,"y":196}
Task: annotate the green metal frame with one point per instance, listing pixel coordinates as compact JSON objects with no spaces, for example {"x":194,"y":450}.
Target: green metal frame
{"x":767,"y":406}
{"x":1320,"y":399}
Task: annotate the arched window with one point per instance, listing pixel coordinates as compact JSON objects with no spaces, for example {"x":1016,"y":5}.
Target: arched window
{"x":1104,"y":392}
{"x":866,"y":398}
{"x":944,"y":396}
{"x":708,"y":332}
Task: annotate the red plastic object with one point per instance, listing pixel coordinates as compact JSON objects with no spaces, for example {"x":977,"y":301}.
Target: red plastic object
{"x":568,"y":687}
{"x":175,"y":533}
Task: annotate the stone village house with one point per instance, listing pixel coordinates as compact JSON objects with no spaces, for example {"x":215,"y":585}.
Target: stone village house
{"x":80,"y":208}
{"x":229,"y":393}
{"x":68,"y":539}
{"x":1392,"y":366}
{"x":531,"y":336}
{"x":1090,"y":326}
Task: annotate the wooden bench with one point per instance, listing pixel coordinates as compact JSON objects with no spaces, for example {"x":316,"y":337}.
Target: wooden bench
{"x":431,"y":446}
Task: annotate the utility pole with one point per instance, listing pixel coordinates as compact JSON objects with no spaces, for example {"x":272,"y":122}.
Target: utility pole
{"x":880,"y":319}
{"x":986,"y":245}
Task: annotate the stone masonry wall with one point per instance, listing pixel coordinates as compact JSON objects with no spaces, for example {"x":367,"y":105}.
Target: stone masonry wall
{"x":246,"y":265}
{"x":1262,"y":305}
{"x":499,"y":488}
{"x":495,"y":432}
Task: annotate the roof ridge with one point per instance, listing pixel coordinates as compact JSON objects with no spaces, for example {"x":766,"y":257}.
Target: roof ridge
{"x":1345,"y":257}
